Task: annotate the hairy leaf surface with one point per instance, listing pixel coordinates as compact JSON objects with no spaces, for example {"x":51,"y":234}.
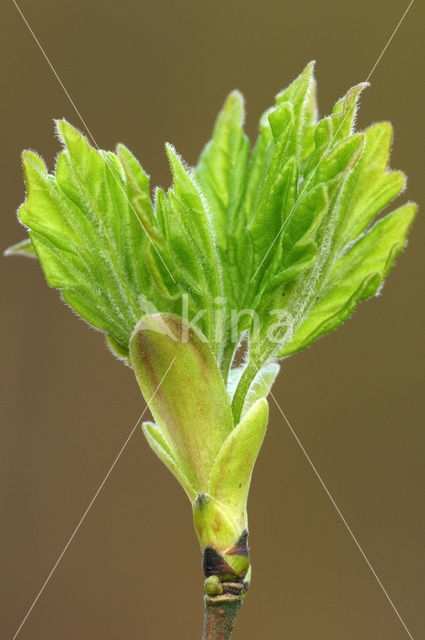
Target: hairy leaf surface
{"x":279,"y":241}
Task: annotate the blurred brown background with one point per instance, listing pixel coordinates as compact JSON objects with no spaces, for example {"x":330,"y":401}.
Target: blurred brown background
{"x":144,"y":73}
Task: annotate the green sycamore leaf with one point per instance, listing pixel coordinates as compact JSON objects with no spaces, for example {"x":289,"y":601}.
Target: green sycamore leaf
{"x":222,"y":175}
{"x":71,"y":218}
{"x":269,"y":207}
{"x":371,"y":186}
{"x":355,"y":276}
{"x":344,"y":112}
{"x":301,"y":94}
{"x":22,"y":248}
{"x":221,"y":170}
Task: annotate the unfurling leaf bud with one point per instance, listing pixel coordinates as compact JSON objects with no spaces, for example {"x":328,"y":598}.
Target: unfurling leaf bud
{"x":195,"y":436}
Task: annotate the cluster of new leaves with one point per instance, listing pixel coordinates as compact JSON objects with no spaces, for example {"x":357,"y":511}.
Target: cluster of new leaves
{"x":101,"y":242}
{"x":278,"y":241}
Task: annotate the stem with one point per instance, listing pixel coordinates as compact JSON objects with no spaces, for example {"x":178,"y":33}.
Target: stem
{"x":247,"y":377}
{"x":221,"y":612}
{"x":227,"y":361}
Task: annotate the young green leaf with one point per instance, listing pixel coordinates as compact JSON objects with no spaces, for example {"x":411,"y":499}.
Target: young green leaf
{"x":355,"y":276}
{"x":78,"y":237}
{"x":221,"y":170}
{"x":371,"y":187}
{"x":22,"y":248}
{"x":301,"y":95}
